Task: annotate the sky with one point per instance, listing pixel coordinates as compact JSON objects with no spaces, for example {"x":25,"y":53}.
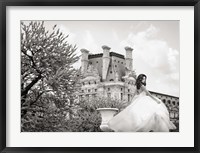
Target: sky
{"x":155,"y":43}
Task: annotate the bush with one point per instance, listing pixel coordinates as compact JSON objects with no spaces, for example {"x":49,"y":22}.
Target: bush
{"x":85,"y":121}
{"x":87,"y":118}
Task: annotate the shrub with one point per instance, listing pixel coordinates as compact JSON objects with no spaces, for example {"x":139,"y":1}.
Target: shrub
{"x":87,"y":118}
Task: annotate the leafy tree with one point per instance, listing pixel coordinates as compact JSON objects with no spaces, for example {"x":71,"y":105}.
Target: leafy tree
{"x":47,"y":75}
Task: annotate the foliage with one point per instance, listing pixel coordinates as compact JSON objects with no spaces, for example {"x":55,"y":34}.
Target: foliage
{"x":87,"y":118}
{"x":47,"y":76}
{"x":103,"y":102}
{"x":84,"y":121}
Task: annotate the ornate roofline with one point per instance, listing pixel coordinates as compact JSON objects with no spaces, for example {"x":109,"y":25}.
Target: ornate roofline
{"x":95,"y":55}
{"x":163,"y":94}
{"x":90,"y":56}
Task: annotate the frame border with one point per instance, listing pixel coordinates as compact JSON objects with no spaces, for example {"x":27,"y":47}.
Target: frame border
{"x":5,"y":3}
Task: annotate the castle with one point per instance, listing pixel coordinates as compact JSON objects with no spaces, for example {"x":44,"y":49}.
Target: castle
{"x":111,"y":74}
{"x":108,"y":73}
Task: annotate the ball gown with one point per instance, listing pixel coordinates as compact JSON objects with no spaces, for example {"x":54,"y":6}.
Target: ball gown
{"x":144,"y":114}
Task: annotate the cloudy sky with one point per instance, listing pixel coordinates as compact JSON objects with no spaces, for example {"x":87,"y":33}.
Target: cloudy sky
{"x":155,"y":44}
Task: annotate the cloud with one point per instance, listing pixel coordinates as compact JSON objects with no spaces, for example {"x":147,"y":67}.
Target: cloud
{"x":155,"y":58}
{"x":115,"y":35}
{"x":89,"y":42}
{"x":72,"y":36}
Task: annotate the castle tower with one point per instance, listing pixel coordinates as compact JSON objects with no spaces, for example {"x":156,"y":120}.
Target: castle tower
{"x":106,"y":61}
{"x":84,"y":60}
{"x":129,"y":60}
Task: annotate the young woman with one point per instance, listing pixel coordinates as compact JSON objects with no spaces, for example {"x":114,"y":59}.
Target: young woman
{"x":145,"y":113}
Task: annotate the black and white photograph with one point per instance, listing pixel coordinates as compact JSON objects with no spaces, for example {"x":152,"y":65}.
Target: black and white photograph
{"x":100,"y":75}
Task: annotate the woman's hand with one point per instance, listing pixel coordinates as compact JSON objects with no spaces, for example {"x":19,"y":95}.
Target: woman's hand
{"x":158,"y":102}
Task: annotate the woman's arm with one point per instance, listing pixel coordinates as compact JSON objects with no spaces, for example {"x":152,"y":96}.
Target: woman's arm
{"x":149,"y":94}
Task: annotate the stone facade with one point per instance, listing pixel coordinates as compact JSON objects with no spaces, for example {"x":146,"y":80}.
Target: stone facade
{"x":172,"y":104}
{"x":108,"y":73}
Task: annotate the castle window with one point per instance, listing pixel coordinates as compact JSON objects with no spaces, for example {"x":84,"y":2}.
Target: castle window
{"x":121,"y":96}
{"x":128,"y":90}
{"x":82,"y":90}
{"x":115,"y":65}
{"x":171,"y":115}
{"x":111,"y":80}
{"x":110,"y":71}
{"x":168,"y":101}
{"x":95,"y":82}
{"x":176,"y":115}
{"x":97,"y":62}
{"x":89,"y":82}
{"x":88,"y":90}
{"x":121,"y":89}
{"x":128,"y":97}
{"x":108,"y":89}
{"x":95,"y":90}
{"x":178,"y":103}
{"x":173,"y":103}
{"x":164,"y":101}
{"x":83,"y":83}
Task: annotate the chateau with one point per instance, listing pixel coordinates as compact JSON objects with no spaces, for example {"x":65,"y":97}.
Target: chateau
{"x":108,"y":73}
{"x":111,"y":74}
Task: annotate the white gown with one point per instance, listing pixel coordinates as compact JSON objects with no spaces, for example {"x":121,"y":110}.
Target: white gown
{"x":142,"y":115}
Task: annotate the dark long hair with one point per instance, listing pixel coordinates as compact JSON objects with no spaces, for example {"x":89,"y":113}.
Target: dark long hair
{"x":139,"y":82}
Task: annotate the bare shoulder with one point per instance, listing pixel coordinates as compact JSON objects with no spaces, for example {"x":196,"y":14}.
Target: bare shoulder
{"x":143,"y":87}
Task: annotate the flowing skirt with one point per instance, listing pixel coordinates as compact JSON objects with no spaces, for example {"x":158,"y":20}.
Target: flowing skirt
{"x":143,"y":115}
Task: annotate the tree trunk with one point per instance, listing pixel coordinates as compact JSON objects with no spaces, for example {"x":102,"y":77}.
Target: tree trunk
{"x":25,"y":91}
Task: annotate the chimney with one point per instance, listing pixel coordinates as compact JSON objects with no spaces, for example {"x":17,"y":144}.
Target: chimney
{"x":84,"y":60}
{"x":106,"y":61}
{"x":129,"y":60}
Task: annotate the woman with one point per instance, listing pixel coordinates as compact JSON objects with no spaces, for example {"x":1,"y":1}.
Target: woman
{"x":145,"y":113}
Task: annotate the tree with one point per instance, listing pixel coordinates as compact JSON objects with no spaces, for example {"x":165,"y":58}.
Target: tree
{"x":47,"y":74}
